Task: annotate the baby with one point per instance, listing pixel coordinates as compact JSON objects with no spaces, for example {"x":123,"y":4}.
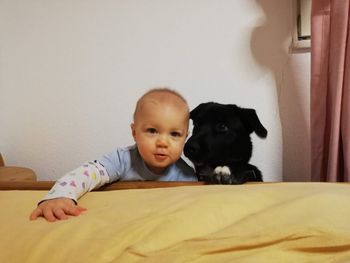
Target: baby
{"x":159,"y":130}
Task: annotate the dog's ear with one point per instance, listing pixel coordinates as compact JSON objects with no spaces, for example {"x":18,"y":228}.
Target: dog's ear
{"x":252,"y":122}
{"x":197,"y":110}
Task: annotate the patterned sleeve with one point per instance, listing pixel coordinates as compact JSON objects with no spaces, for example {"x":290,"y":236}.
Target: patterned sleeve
{"x":76,"y":183}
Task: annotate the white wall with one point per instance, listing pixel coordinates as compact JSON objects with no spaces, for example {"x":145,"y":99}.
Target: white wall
{"x":71,"y":72}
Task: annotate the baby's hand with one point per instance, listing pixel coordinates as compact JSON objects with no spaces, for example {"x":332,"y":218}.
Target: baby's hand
{"x":58,"y":208}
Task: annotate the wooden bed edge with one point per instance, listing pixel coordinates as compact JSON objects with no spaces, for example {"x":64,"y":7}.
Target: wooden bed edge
{"x":46,"y":185}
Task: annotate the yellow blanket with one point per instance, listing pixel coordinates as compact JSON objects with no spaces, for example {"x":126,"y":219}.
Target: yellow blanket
{"x":278,"y":222}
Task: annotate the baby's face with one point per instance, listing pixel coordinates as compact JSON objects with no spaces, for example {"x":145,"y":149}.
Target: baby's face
{"x":160,"y":130}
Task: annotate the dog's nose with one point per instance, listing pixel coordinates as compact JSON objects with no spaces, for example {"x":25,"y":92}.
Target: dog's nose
{"x":192,"y":149}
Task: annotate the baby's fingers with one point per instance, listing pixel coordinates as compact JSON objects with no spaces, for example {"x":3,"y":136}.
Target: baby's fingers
{"x":74,"y":210}
{"x":81,"y":209}
{"x":49,"y":216}
{"x":60,"y":214}
{"x":35,"y":214}
{"x":56,"y":209}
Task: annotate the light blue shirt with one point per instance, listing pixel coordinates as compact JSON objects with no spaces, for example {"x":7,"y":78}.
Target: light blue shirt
{"x":126,"y":164}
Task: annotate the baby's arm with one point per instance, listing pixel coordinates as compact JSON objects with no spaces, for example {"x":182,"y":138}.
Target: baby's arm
{"x":61,"y":200}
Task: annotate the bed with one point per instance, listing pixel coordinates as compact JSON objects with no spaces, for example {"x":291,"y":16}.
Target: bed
{"x":182,"y":222}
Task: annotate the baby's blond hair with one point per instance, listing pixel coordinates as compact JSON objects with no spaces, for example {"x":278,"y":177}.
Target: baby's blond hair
{"x":159,"y":90}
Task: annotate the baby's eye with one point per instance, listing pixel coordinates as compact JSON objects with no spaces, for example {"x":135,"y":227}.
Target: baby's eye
{"x":151,"y":130}
{"x":175,"y":134}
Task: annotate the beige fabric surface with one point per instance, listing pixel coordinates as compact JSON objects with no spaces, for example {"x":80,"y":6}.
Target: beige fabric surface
{"x":277,"y":222}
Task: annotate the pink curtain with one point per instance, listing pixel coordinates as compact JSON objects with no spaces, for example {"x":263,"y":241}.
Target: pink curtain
{"x":330,"y":91}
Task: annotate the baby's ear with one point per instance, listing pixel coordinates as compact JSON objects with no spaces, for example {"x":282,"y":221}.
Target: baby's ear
{"x":132,"y":126}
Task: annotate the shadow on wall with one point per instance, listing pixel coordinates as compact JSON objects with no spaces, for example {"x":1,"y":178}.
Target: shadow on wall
{"x":268,"y":46}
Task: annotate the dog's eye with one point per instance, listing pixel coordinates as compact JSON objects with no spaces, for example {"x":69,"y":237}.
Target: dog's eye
{"x":221,"y":127}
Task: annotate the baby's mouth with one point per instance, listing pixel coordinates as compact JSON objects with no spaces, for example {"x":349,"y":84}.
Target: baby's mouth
{"x":160,"y":156}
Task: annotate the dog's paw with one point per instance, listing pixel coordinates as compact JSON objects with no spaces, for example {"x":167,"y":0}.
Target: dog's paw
{"x":222,"y":174}
{"x":222,"y":171}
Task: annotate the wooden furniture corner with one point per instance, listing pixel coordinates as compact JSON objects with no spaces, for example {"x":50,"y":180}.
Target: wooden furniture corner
{"x":13,"y":173}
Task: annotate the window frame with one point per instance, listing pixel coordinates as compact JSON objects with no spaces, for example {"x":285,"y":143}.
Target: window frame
{"x":302,"y":25}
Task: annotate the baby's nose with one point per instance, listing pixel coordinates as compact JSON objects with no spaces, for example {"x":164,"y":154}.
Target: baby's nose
{"x":162,"y":141}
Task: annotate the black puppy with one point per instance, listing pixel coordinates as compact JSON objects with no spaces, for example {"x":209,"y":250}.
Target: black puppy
{"x":220,"y":146}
